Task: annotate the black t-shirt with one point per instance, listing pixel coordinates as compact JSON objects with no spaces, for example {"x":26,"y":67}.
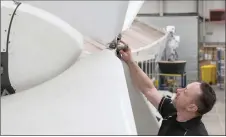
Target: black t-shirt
{"x":171,"y":127}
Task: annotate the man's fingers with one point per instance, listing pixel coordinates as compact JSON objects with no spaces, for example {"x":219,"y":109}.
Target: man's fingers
{"x":125,"y":44}
{"x":122,"y":52}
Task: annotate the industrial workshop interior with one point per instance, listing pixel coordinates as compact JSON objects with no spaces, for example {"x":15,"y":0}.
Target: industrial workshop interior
{"x":96,"y":67}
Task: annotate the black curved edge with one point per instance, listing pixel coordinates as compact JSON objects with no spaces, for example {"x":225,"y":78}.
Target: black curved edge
{"x":5,"y":81}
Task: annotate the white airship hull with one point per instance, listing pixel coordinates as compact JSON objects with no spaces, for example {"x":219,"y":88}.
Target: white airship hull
{"x":67,"y":91}
{"x":87,"y":99}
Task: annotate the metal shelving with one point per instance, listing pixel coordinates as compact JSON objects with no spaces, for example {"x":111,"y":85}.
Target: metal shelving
{"x":221,"y":67}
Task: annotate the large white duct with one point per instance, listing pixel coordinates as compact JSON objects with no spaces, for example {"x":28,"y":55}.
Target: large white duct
{"x":41,"y":46}
{"x":100,"y":20}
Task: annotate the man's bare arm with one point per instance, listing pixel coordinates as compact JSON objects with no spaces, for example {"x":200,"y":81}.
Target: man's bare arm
{"x":144,"y":83}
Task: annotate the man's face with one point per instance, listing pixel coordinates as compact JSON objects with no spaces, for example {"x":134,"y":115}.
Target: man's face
{"x":185,"y":99}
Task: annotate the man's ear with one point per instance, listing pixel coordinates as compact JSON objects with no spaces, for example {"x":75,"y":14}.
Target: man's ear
{"x":192,"y":108}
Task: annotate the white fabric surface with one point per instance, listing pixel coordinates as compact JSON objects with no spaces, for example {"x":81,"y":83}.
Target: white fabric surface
{"x":90,"y":98}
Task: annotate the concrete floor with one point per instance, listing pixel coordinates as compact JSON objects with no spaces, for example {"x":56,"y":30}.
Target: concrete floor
{"x":215,"y":120}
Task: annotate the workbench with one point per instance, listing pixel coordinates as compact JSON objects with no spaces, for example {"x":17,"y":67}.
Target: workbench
{"x":183,"y":80}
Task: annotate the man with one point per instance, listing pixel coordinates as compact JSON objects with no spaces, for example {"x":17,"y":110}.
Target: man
{"x":182,"y":116}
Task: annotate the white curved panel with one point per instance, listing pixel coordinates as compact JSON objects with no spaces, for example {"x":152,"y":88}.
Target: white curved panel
{"x":90,"y":98}
{"x":144,"y":116}
{"x":41,"y":46}
{"x":133,"y":9}
{"x":154,"y":50}
{"x":6,"y":14}
{"x":100,"y":20}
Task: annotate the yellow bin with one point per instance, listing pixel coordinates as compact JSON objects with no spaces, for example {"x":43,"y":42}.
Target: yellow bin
{"x":209,"y":74}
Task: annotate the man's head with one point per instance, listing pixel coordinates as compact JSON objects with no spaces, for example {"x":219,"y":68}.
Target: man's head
{"x":196,"y":98}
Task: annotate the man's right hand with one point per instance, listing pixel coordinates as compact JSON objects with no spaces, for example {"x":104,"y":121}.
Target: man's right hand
{"x":126,"y":54}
